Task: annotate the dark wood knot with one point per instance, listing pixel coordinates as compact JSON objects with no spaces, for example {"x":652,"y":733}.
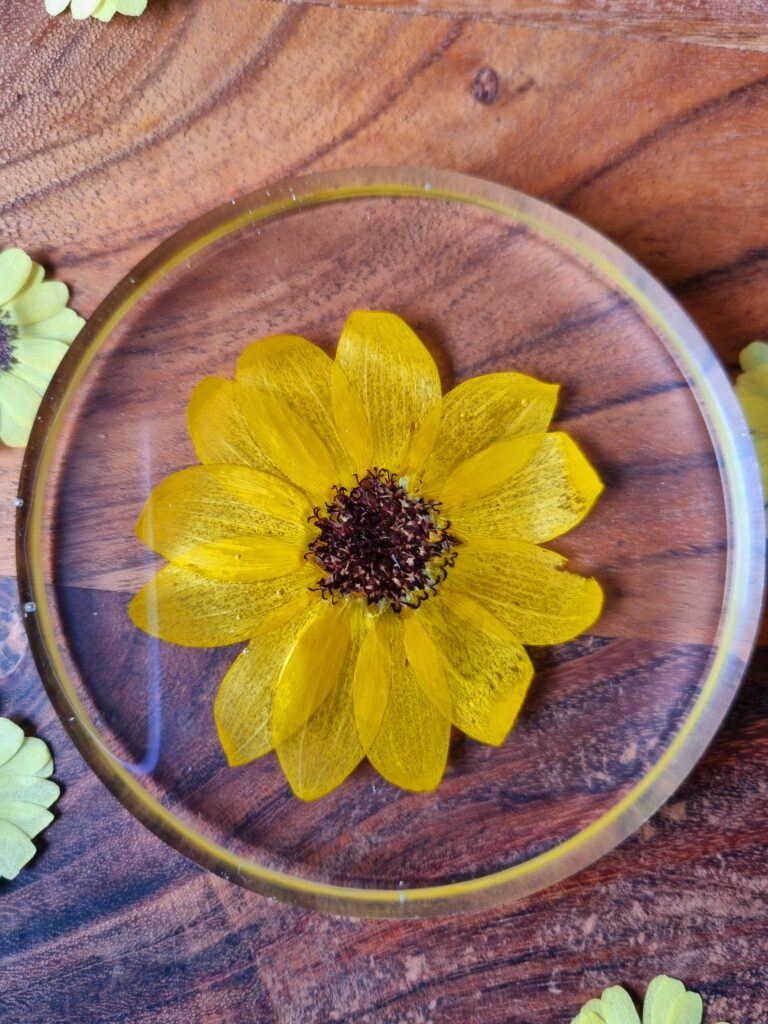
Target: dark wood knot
{"x":485,"y":86}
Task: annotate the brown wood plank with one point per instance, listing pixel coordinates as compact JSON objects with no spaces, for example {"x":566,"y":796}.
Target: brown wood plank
{"x":728,"y":23}
{"x":110,"y":925}
{"x":113,"y":136}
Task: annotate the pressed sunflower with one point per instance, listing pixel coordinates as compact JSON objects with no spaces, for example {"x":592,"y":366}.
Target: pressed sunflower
{"x":36,"y":326}
{"x":752,"y":392}
{"x":26,"y":792}
{"x":377,"y":544}
{"x":666,"y":1002}
{"x":104,"y":10}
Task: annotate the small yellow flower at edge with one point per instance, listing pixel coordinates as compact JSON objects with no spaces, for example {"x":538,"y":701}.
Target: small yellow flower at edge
{"x":104,"y":10}
{"x":378,"y":545}
{"x":36,"y":326}
{"x":752,"y":392}
{"x":26,"y":792}
{"x":666,"y":1002}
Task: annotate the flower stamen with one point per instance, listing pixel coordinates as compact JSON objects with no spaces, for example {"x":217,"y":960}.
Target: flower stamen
{"x":378,"y":540}
{"x":8,"y":334}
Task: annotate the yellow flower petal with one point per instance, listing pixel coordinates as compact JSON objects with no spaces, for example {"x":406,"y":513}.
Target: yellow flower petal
{"x":83,"y":8}
{"x":18,"y":407}
{"x":483,"y":411}
{"x":371,"y":680}
{"x":30,"y":789}
{"x":588,"y":1017}
{"x":351,"y":421}
{"x":299,"y":374}
{"x":411,"y":744}
{"x":15,"y":268}
{"x":289,"y":442}
{"x":32,"y":756}
{"x":686,"y":1009}
{"x":592,"y":1006}
{"x":311,"y":670}
{"x":617,"y":1007}
{"x":229,"y":522}
{"x":422,"y":444}
{"x":37,"y":361}
{"x":36,"y":275}
{"x":323,"y":752}
{"x":487,"y":671}
{"x":56,"y":6}
{"x":527,"y":588}
{"x":395,"y":378}
{"x":245,"y":559}
{"x":64,"y":326}
{"x":243,"y":708}
{"x":183,"y":607}
{"x":550,"y":495}
{"x":752,"y":391}
{"x":661,"y":994}
{"x":427,"y":664}
{"x":761,"y":448}
{"x":46,"y":770}
{"x":25,"y":793}
{"x":16,"y":849}
{"x":483,"y":474}
{"x":30,"y":818}
{"x":11,"y":739}
{"x":106,"y":10}
{"x":43,"y":301}
{"x":590,"y":1013}
{"x":218,"y":429}
{"x":131,"y":7}
{"x":38,"y":380}
{"x":41,"y":354}
{"x":754,"y":356}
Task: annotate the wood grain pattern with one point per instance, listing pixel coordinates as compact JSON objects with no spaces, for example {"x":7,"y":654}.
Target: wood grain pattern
{"x":663,"y":148}
{"x":109,"y":926}
{"x":443,"y":267}
{"x":113,"y":136}
{"x":736,"y":23}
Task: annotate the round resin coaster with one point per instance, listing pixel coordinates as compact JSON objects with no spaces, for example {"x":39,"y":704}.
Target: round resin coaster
{"x":490,"y":280}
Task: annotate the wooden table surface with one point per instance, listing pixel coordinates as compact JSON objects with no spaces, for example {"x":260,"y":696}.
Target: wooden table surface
{"x":111,"y":137}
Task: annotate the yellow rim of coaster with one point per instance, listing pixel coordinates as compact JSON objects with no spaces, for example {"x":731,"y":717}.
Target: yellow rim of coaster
{"x":743,"y":585}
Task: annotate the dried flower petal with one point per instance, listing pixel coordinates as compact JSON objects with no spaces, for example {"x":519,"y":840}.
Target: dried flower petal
{"x":312,"y":531}
{"x":218,"y":429}
{"x":103,"y":10}
{"x":299,"y":374}
{"x":394,"y":377}
{"x":548,"y":496}
{"x":486,"y":669}
{"x":483,"y":411}
{"x":35,"y":328}
{"x":752,"y":392}
{"x":527,"y":588}
{"x":410,"y":747}
{"x":26,"y":792}
{"x":318,"y":757}
{"x":666,"y":1002}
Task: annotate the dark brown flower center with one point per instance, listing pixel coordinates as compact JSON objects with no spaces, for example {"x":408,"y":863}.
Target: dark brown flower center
{"x":379,"y":541}
{"x":7,"y":336}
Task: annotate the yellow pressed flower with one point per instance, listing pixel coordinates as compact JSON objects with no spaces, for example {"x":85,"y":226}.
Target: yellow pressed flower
{"x":104,"y":10}
{"x":26,"y":792}
{"x":666,"y":1002}
{"x":752,"y":392}
{"x":377,"y":545}
{"x":36,"y":326}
